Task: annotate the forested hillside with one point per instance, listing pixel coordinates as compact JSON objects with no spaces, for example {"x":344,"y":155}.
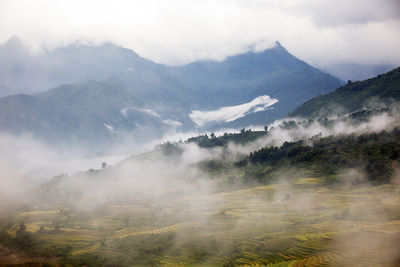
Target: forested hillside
{"x":381,"y":90}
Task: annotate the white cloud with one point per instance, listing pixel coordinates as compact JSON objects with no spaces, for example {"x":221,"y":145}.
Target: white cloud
{"x":172,"y":123}
{"x":109,"y":127}
{"x":150,"y":112}
{"x":321,"y":32}
{"x":227,"y":114}
{"x":125,"y":111}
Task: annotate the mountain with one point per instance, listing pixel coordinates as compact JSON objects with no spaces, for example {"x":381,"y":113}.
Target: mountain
{"x":240,"y":79}
{"x":100,"y":92}
{"x":25,"y":72}
{"x":383,"y":89}
{"x":357,"y":72}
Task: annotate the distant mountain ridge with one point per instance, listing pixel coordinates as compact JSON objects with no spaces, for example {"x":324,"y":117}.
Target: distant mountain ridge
{"x":23,"y":72}
{"x":381,"y":90}
{"x":111,"y":91}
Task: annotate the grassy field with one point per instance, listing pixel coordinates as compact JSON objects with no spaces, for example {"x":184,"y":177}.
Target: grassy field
{"x":301,"y":223}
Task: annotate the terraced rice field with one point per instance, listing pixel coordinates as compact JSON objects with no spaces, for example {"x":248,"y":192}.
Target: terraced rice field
{"x":294,"y":224}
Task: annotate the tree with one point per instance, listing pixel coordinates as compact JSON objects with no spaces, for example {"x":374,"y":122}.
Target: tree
{"x":104,"y":165}
{"x":21,"y":230}
{"x":41,"y":230}
{"x":57,"y":228}
{"x":23,"y":237}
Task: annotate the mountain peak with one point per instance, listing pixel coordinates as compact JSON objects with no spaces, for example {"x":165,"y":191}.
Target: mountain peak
{"x":14,"y":44}
{"x":278,"y":44}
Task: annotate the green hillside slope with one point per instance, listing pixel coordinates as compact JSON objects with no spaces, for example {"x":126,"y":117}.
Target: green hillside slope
{"x":383,"y":89}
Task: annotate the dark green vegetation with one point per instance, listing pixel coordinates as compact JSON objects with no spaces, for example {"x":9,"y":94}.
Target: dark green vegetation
{"x":243,"y":137}
{"x":373,"y":153}
{"x":330,"y":155}
{"x":383,"y":89}
{"x":111,"y":85}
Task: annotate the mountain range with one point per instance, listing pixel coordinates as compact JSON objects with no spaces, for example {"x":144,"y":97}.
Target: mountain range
{"x":107,"y":92}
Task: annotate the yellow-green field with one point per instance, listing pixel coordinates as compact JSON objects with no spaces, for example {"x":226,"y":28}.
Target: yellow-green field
{"x":302,"y":223}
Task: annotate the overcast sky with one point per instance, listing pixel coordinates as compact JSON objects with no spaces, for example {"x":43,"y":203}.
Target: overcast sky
{"x":321,"y":32}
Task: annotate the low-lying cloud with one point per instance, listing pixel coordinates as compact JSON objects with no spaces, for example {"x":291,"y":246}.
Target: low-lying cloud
{"x":231,"y":113}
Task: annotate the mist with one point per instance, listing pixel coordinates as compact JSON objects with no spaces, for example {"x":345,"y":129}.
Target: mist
{"x":143,"y":167}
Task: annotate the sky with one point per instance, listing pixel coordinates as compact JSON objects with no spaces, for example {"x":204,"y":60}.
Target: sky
{"x":321,"y":32}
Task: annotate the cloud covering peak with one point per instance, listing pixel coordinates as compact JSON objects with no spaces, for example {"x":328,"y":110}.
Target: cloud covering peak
{"x":322,"y":32}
